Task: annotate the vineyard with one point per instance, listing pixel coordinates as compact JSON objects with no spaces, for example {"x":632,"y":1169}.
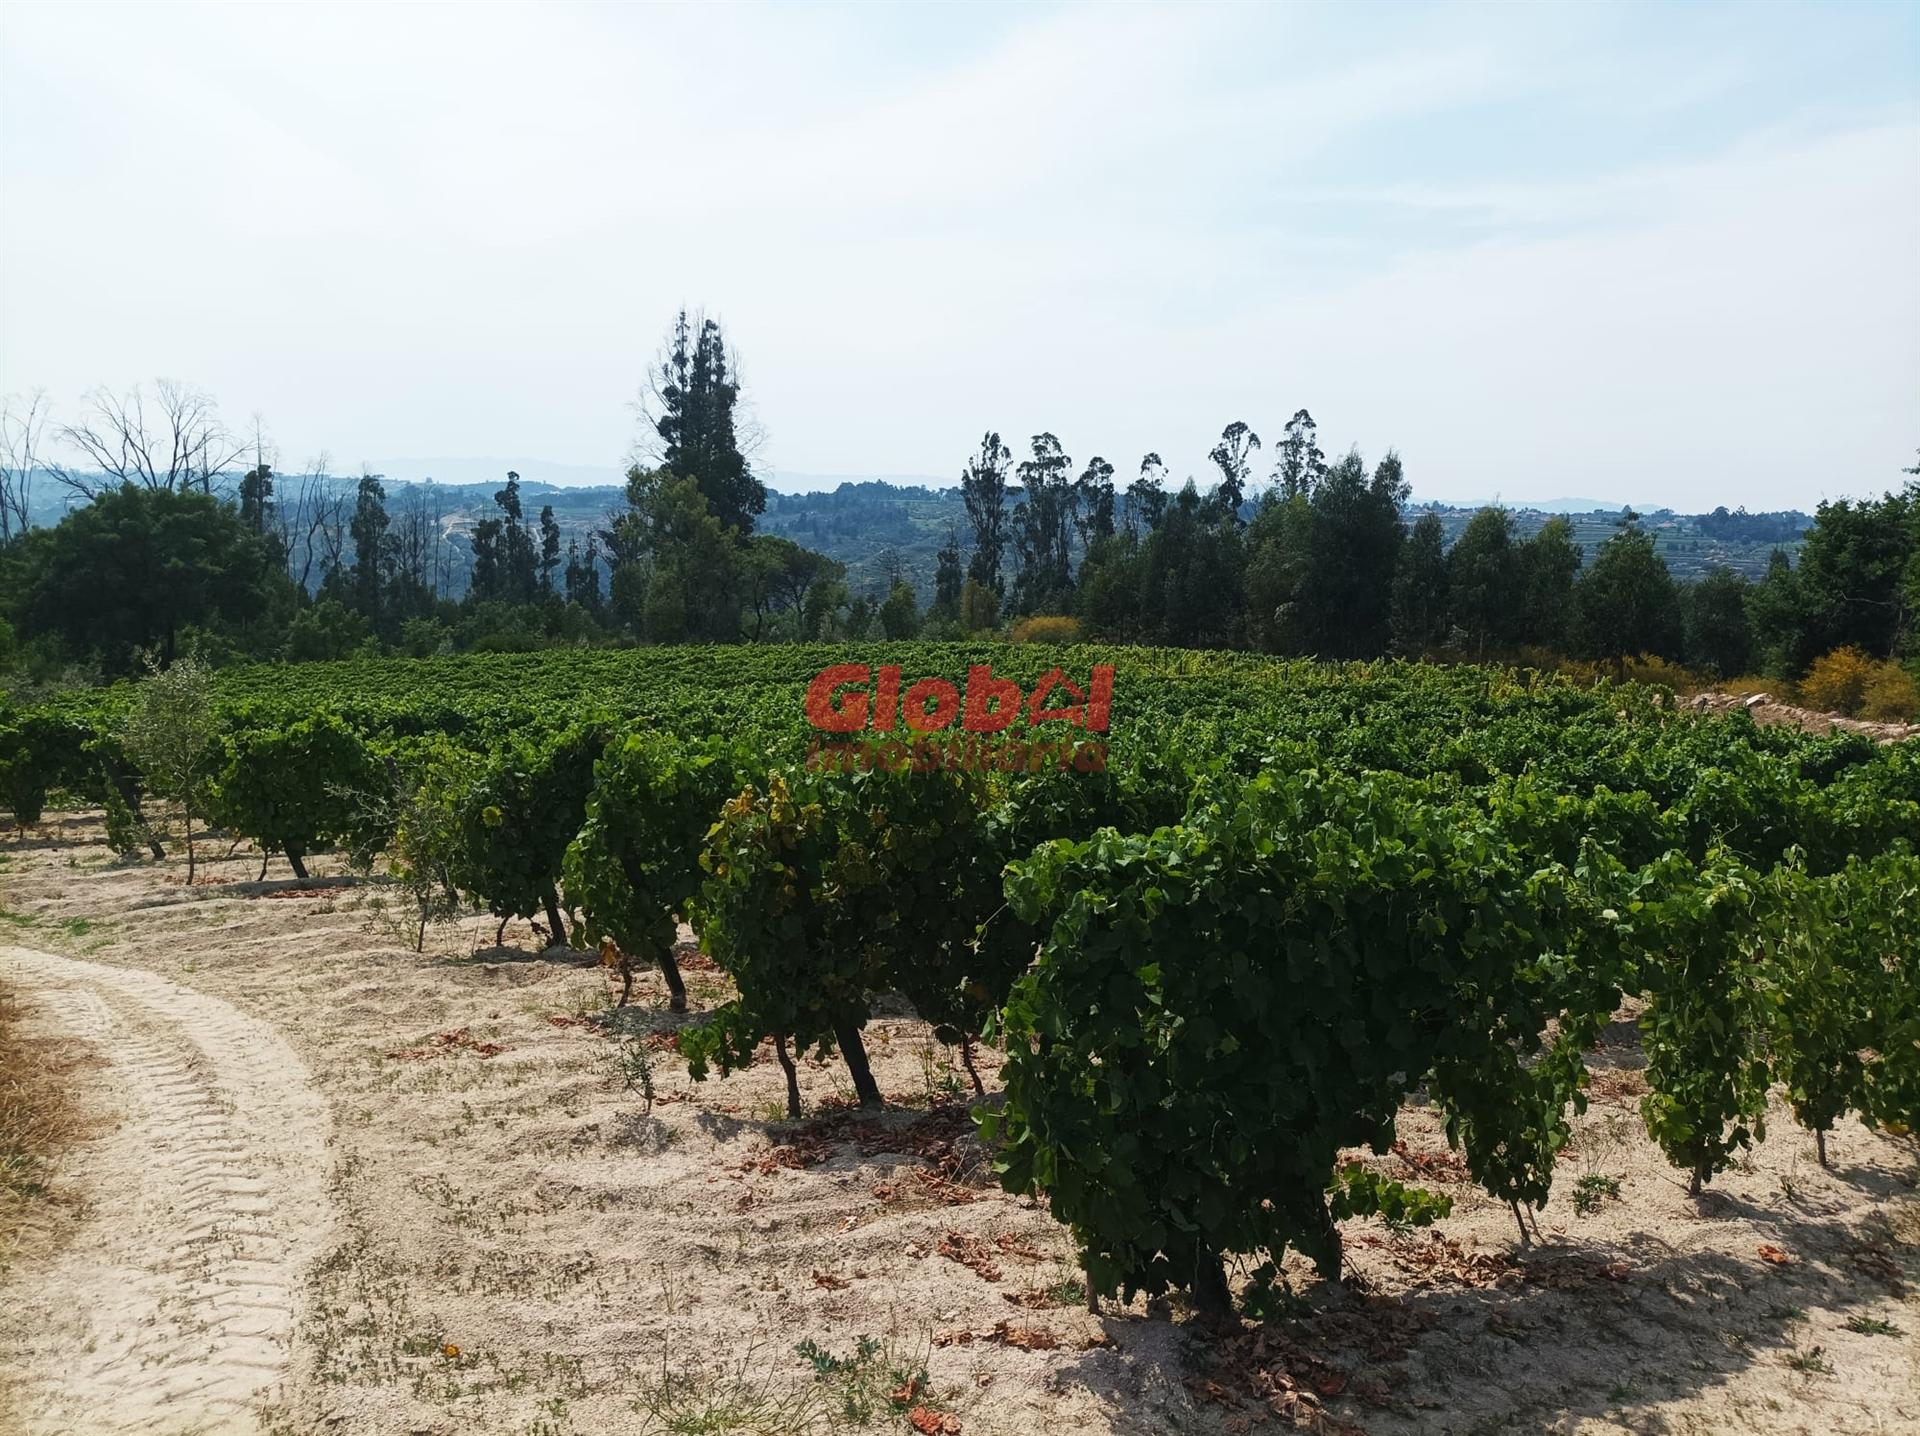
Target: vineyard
{"x":1206,"y":975}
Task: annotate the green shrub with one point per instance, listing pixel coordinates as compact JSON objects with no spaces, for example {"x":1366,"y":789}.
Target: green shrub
{"x":794,"y":922}
{"x":1221,"y":1007}
{"x":516,"y":819}
{"x":296,"y":789}
{"x":634,"y":866}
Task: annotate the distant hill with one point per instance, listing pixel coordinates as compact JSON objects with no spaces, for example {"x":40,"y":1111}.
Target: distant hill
{"x":494,"y":471}
{"x":787,"y":482}
{"x":1690,"y":543}
{"x":470,"y":470}
{"x":867,"y":525}
{"x":876,"y":525}
{"x":1545,"y":506}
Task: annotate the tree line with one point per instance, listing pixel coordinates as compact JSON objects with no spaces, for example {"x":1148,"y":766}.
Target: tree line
{"x":1321,"y":562}
{"x":1316,"y":557}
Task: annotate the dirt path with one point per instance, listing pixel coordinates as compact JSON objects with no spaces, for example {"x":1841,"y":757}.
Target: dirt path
{"x":477,"y":1228}
{"x":172,"y":1308}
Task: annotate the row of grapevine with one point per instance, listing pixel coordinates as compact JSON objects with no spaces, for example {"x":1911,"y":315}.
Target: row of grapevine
{"x":1220,"y":1008}
{"x":1292,"y":897}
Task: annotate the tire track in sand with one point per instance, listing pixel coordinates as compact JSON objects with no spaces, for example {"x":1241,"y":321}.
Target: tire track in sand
{"x":173,"y":1308}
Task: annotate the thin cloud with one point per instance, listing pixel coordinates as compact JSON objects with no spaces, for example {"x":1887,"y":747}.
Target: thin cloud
{"x":1536,"y":249}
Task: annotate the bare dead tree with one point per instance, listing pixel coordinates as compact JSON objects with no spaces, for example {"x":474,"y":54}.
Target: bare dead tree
{"x":177,"y":442}
{"x":22,"y":421}
{"x":287,"y":517}
{"x":442,"y":554}
{"x":302,"y":520}
{"x":266,"y":454}
{"x":412,"y":538}
{"x":328,"y":530}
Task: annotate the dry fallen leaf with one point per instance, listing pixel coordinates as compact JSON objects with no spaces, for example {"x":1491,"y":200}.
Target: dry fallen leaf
{"x":1330,"y":1383}
{"x":1026,"y":1338}
{"x":972,"y":1252}
{"x":1771,"y":1253}
{"x":929,"y":1422}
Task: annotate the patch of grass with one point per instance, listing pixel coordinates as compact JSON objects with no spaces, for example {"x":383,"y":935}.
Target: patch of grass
{"x":1812,"y":1361}
{"x":942,"y":1083}
{"x":1593,"y":1191}
{"x":70,"y":926}
{"x":1871,"y":1326}
{"x":749,"y":1399}
{"x":1069,"y":1291}
{"x":37,"y":1119}
{"x":874,"y":1382}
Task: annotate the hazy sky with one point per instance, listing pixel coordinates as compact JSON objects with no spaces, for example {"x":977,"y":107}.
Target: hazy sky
{"x":1666,"y":253}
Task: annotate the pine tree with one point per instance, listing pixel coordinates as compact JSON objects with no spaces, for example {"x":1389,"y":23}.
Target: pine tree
{"x":487,"y":581}
{"x":256,"y":496}
{"x":1420,"y":590}
{"x":695,"y":392}
{"x":899,"y":616}
{"x":948,"y":577}
{"x":1346,"y":595}
{"x":1626,"y":604}
{"x":1718,"y":636}
{"x":1483,"y":580}
{"x":983,"y":488}
{"x":1549,"y":563}
{"x":1784,"y":633}
{"x":583,"y":574}
{"x":549,"y":547}
{"x":371,"y":551}
{"x":517,"y":564}
{"x":1043,"y":525}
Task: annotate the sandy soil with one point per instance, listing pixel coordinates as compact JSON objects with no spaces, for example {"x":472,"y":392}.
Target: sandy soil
{"x":339,"y":1187}
{"x":210,"y":1194}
